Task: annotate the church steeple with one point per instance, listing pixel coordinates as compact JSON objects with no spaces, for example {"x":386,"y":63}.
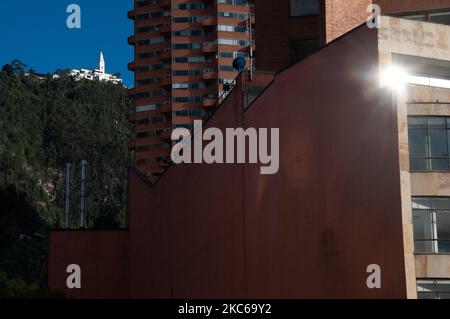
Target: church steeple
{"x":101,"y":63}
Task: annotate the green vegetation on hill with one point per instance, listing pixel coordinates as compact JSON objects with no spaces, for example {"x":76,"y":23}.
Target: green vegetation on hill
{"x":43,"y":125}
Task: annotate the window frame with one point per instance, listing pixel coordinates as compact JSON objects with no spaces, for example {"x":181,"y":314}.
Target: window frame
{"x":427,"y":14}
{"x":429,"y":157}
{"x":434,"y":224}
{"x":305,"y":15}
{"x":434,"y":282}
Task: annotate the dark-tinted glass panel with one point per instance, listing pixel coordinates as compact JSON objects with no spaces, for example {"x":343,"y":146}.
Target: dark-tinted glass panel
{"x":439,"y":165}
{"x":441,"y":18}
{"x":418,"y":143}
{"x":420,"y":165}
{"x":438,"y":143}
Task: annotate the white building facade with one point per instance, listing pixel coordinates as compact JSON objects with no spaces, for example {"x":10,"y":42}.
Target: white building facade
{"x":96,"y":74}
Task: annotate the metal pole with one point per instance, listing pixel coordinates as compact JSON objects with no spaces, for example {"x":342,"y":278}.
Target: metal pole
{"x":67,"y":206}
{"x":83,"y":194}
{"x":251,"y":46}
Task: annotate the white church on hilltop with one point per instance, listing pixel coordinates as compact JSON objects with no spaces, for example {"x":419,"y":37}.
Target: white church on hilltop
{"x":96,"y":74}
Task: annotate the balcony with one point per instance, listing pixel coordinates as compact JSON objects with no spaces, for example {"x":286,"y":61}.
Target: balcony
{"x":165,"y":4}
{"x":131,"y":14}
{"x":166,"y":55}
{"x":209,"y":101}
{"x":209,"y":48}
{"x":209,"y":22}
{"x":210,"y":75}
{"x":131,"y":40}
{"x":152,"y":153}
{"x":165,"y":29}
{"x":166,"y":108}
{"x":132,"y":118}
{"x":132,"y":66}
{"x":166,"y":135}
{"x":166,"y":83}
{"x":131,"y":92}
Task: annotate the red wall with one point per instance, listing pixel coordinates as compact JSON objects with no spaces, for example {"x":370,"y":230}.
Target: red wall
{"x":222,"y":231}
{"x":102,"y":256}
{"x":334,"y":207}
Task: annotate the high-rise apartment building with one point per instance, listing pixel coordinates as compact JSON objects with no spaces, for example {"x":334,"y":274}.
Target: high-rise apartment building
{"x":183,"y":57}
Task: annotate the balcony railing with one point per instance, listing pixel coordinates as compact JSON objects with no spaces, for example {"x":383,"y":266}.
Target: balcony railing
{"x":210,"y":74}
{"x":131,"y":40}
{"x":166,"y":82}
{"x":165,"y":29}
{"x":209,"y":101}
{"x":166,"y":55}
{"x":209,"y":48}
{"x":209,"y":21}
{"x":165,"y":3}
{"x":132,"y":66}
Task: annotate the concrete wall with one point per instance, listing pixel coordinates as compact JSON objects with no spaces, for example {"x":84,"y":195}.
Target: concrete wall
{"x":430,"y":101}
{"x":430,"y":41}
{"x":433,"y":266}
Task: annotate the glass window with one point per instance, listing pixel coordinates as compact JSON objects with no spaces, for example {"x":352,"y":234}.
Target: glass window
{"x":433,"y":289}
{"x":431,"y":222}
{"x":419,"y":17}
{"x":429,"y":148}
{"x":304,"y":7}
{"x":440,"y":17}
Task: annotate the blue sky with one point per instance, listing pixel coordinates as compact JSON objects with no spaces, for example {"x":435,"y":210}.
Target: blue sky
{"x":35,"y":32}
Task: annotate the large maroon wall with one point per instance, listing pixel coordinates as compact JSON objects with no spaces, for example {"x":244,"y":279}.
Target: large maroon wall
{"x":187,"y":232}
{"x":102,"y":256}
{"x":309,"y":231}
{"x":334,"y":207}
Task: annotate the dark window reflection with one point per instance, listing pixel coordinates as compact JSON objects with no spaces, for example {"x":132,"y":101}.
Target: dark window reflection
{"x":429,"y":143}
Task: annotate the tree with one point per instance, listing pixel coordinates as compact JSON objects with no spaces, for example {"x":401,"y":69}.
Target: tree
{"x":8,"y":69}
{"x":44,"y":125}
{"x":18,"y":67}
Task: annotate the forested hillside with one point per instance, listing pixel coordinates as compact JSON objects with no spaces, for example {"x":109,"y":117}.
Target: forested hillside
{"x":45,"y":124}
